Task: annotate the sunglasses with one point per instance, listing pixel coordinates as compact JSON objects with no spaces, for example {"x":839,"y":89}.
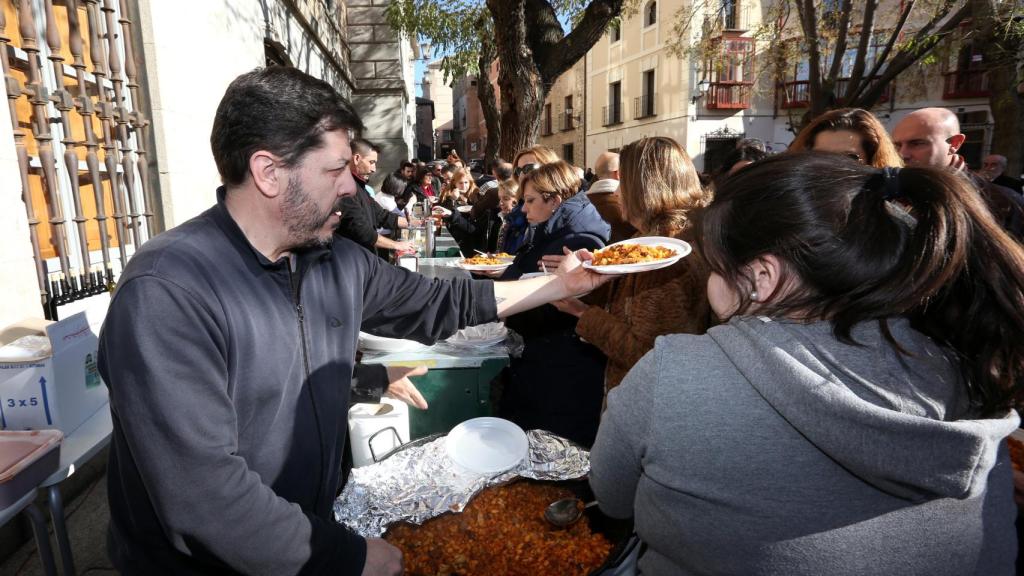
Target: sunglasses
{"x":524,"y":170}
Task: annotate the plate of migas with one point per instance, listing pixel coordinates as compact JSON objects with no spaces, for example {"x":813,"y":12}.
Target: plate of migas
{"x":638,"y":255}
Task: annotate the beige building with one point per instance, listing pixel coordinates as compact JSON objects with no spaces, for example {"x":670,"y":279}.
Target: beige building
{"x":561,"y":126}
{"x":636,"y":87}
{"x":439,"y":92}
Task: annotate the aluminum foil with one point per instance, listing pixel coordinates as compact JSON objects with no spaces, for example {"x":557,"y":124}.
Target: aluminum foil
{"x":422,"y":482}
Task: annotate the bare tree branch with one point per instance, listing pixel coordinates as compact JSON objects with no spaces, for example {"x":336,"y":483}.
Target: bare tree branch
{"x":880,"y":60}
{"x":581,"y":39}
{"x":840,"y":50}
{"x":863,"y":46}
{"x":924,"y":42}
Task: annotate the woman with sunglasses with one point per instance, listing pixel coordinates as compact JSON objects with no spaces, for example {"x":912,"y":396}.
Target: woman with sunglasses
{"x":852,"y":132}
{"x":849,"y":416}
{"x":515,"y":225}
{"x":557,"y":382}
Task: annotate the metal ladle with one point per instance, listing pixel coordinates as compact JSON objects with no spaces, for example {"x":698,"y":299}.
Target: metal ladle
{"x":565,"y":512}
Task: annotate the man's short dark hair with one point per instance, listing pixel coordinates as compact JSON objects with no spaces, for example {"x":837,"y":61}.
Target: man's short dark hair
{"x":406,"y":164}
{"x":278,"y":109}
{"x":502,"y":169}
{"x":363,"y":147}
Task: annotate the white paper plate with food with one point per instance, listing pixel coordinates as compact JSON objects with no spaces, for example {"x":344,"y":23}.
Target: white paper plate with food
{"x":482,"y":336}
{"x":486,"y":262}
{"x":370,"y":343}
{"x":487,"y":445}
{"x":464,"y":209}
{"x":440,"y":210}
{"x":638,"y":255}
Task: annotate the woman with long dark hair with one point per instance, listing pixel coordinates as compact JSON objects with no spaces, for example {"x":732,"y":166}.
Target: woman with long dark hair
{"x":850,"y":415}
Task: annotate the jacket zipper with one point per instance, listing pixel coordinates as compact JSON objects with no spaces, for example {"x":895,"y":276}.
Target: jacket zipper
{"x":295,"y":281}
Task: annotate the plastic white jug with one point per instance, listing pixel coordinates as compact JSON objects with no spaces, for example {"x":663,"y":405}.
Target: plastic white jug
{"x":366,"y":420}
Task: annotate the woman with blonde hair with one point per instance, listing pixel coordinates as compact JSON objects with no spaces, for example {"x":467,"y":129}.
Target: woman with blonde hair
{"x":853,"y":132}
{"x":457,"y":191}
{"x":660,"y":193}
{"x":516,"y":225}
{"x":556,"y":384}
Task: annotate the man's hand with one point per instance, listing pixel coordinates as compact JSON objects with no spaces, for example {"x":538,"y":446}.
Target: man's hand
{"x":571,"y":306}
{"x":577,"y":279}
{"x":382,"y":559}
{"x":404,"y":246}
{"x":401,"y":388}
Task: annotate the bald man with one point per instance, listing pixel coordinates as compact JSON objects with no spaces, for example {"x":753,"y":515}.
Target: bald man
{"x":993,"y":167}
{"x":931,"y":137}
{"x":604,"y":195}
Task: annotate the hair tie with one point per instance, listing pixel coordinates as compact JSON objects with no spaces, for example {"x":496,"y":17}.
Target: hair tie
{"x":891,"y":183}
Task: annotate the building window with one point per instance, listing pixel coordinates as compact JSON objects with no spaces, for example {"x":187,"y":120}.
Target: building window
{"x":651,"y":14}
{"x":568,"y":153}
{"x":732,"y":16}
{"x":643,"y":107}
{"x":546,"y":127}
{"x":613,"y":111}
{"x":567,"y":123}
{"x":732,"y":74}
{"x":615,"y":33}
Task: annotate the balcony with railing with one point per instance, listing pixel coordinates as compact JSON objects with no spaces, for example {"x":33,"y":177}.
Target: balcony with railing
{"x":728,"y":95}
{"x":965,"y":84}
{"x":568,"y":123}
{"x":735,"y":16}
{"x":797,"y":94}
{"x":612,"y":115}
{"x":545,"y":126}
{"x":643,"y":107}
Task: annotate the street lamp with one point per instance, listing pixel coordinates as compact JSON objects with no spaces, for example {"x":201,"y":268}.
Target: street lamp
{"x":702,"y":88}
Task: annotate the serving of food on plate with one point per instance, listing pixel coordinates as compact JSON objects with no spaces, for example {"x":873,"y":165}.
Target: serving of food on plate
{"x":487,"y":259}
{"x":631,"y":254}
{"x":638,"y":255}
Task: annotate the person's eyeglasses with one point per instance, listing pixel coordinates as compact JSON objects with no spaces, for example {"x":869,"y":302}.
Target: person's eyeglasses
{"x":524,"y":170}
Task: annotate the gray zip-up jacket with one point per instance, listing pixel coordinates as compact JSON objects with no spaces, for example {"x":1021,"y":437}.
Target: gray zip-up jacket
{"x":769,"y":447}
{"x":229,"y":382}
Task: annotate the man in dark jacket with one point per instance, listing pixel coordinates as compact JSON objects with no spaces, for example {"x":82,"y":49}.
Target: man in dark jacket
{"x":361,"y":216}
{"x":931,"y":137}
{"x":994,"y":169}
{"x":229,"y":349}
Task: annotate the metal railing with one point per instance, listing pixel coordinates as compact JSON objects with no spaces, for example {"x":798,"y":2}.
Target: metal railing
{"x":612,"y":114}
{"x":568,"y":123}
{"x":797,"y":94}
{"x":729,"y":95}
{"x":94,"y":209}
{"x":965,"y":84}
{"x":643,"y":107}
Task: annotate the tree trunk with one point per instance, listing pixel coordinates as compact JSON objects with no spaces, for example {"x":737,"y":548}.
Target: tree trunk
{"x":1000,"y":48}
{"x":522,"y":91}
{"x":488,"y":99}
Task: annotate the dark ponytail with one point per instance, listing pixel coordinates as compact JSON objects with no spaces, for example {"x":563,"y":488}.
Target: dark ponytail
{"x":870,"y":244}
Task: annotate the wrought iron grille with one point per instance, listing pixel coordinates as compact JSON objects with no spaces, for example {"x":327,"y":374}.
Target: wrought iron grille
{"x":74,"y":98}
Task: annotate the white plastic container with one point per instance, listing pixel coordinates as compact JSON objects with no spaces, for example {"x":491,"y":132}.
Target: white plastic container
{"x":382,"y":427}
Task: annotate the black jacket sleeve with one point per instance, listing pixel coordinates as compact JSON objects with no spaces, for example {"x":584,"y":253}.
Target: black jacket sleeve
{"x":354,"y":222}
{"x":398,"y":303}
{"x":369,"y":382}
{"x":382,"y":218}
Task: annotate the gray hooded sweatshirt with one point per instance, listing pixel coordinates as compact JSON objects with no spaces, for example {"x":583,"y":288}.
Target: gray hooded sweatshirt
{"x":769,"y":447}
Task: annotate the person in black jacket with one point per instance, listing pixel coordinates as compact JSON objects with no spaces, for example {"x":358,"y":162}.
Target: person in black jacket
{"x":229,"y":347}
{"x":558,"y":382}
{"x":361,"y":216}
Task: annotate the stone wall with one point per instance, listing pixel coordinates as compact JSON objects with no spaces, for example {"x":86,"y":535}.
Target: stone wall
{"x":382,"y":68}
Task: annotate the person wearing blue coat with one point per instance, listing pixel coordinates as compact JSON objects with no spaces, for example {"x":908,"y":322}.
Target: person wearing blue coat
{"x":557,"y":383}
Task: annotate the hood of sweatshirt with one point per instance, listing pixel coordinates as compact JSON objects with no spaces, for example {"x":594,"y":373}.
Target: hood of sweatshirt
{"x":577,"y":216}
{"x":899,"y":422}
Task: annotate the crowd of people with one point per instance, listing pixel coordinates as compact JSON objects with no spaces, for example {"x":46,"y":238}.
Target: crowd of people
{"x":824,"y":386}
